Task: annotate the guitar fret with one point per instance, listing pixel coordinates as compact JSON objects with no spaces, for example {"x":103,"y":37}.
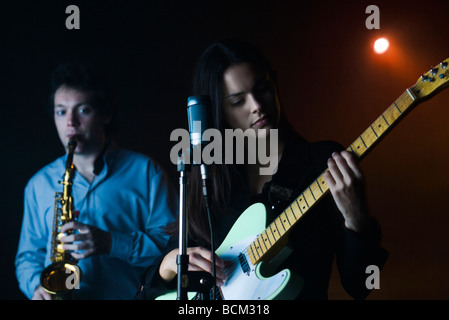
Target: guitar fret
{"x":368,"y":138}
{"x":254,"y":247}
{"x":266,"y":240}
{"x":298,"y":212}
{"x":358,"y":147}
{"x":305,"y":200}
{"x":366,"y":147}
{"x":311,"y":192}
{"x":272,"y":238}
{"x":274,"y":232}
{"x":378,"y":126}
{"x":291,"y":217}
{"x":323,"y":185}
{"x":299,"y":207}
{"x":259,"y":248}
{"x":253,"y":251}
{"x":285,"y":221}
{"x":281,"y":229}
{"x":318,"y":184}
{"x":316,"y":190}
{"x":302,"y":203}
{"x":371,"y":126}
{"x":385,"y":120}
{"x":397,"y":107}
{"x":392,"y":114}
{"x":251,"y":254}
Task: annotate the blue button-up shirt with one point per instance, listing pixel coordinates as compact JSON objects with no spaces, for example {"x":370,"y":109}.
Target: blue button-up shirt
{"x":130,"y":198}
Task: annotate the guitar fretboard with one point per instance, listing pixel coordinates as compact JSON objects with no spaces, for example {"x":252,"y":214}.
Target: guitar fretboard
{"x":278,"y":229}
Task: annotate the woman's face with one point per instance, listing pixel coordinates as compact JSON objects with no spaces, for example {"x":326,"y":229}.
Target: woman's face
{"x":249,"y":99}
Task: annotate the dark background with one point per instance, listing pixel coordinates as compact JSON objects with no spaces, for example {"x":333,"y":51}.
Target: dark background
{"x":332,"y":85}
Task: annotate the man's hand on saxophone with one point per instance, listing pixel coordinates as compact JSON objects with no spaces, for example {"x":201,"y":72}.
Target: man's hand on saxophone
{"x":41,"y":294}
{"x":87,"y":241}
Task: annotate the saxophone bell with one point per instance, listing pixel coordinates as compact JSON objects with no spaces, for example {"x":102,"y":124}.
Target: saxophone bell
{"x":60,"y":278}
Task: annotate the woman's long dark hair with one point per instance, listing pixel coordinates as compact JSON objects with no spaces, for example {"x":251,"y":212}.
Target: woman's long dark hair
{"x":208,"y":80}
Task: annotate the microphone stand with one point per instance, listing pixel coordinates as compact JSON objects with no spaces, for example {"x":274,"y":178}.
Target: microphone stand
{"x":188,"y":281}
{"x":201,"y":281}
{"x":182,"y":259}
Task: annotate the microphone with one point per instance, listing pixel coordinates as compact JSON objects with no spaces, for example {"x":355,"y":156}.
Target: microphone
{"x":199,"y":118}
{"x":198,"y":113}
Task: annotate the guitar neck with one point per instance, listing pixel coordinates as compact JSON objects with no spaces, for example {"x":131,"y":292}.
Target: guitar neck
{"x":278,"y":229}
{"x":382,"y":125}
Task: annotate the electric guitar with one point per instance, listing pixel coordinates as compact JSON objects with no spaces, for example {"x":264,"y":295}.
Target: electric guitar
{"x":250,"y":245}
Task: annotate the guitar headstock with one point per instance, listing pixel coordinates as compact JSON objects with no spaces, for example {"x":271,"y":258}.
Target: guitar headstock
{"x":435,"y":80}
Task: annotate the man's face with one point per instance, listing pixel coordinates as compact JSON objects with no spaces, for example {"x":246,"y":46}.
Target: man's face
{"x":74,"y":116}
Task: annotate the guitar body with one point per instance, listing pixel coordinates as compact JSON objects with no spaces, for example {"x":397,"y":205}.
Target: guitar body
{"x":243,"y":274}
{"x":246,"y":281}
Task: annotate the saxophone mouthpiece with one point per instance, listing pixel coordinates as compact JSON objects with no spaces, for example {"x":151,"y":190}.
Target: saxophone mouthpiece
{"x":72,"y":142}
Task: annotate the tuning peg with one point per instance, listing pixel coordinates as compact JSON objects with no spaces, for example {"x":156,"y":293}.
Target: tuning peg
{"x":443,"y":65}
{"x":424,"y":78}
{"x":434,"y":71}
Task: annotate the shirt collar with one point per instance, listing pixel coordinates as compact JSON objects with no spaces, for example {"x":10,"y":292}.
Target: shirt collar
{"x":102,"y":163}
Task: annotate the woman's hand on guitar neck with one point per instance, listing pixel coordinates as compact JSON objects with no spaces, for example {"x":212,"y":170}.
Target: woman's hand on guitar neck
{"x":200,"y":259}
{"x":346,"y":183}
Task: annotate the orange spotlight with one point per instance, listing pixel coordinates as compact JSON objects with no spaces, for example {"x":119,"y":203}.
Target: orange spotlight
{"x":381,"y":45}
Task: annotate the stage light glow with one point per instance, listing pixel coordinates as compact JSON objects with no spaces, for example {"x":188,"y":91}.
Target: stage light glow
{"x":381,"y":45}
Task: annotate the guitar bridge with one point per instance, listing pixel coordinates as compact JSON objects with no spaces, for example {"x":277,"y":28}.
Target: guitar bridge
{"x":244,"y":264}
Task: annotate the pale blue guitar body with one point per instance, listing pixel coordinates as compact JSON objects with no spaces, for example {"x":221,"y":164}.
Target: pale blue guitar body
{"x":246,"y":281}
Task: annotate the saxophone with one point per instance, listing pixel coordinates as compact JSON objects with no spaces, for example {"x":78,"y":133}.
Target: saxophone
{"x":63,"y":275}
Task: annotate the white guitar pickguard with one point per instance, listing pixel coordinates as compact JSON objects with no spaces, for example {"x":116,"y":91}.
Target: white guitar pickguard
{"x":251,"y":285}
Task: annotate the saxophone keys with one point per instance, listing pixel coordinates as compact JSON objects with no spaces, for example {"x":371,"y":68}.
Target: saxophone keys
{"x":59,"y":248}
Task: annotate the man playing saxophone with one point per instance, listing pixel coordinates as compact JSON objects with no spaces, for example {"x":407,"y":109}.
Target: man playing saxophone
{"x":123,"y":198}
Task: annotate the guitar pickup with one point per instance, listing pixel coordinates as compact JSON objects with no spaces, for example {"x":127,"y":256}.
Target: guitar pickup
{"x":244,"y":264}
